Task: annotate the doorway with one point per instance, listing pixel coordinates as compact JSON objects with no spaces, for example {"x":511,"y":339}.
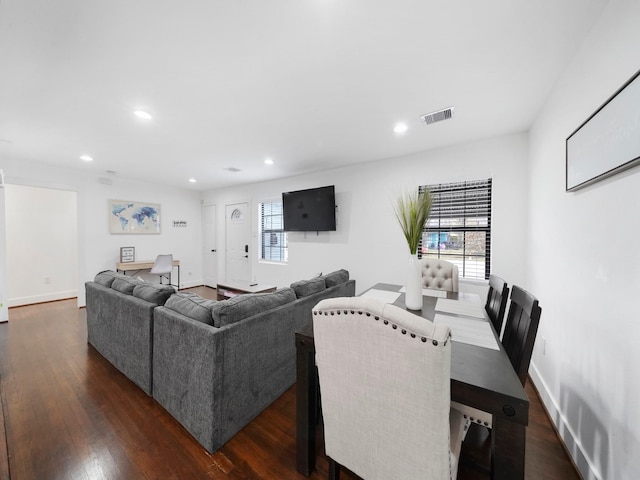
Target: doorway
{"x":41,"y":244}
{"x":210,"y":249}
{"x":237,"y":233}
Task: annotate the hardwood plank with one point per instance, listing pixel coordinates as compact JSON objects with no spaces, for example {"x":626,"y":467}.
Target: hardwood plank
{"x":68,"y":413}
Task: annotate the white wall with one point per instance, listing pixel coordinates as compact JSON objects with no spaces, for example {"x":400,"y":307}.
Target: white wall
{"x":583,"y":263}
{"x":42,"y":244}
{"x":98,"y":249}
{"x":4,"y":305}
{"x":368,"y":241}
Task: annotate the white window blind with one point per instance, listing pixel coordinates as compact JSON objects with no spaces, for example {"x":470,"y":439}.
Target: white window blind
{"x":273,"y":239}
{"x":459,"y":226}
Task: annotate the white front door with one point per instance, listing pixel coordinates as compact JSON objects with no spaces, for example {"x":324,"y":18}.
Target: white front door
{"x":238,"y":267}
{"x":210,"y":250}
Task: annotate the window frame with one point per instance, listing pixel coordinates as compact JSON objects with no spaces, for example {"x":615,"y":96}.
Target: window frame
{"x":450,"y":202}
{"x":279,"y":232}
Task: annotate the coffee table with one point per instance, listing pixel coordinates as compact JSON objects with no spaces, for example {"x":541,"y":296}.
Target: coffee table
{"x":231,"y":289}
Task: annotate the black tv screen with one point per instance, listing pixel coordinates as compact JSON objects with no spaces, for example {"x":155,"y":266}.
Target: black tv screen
{"x":312,"y":210}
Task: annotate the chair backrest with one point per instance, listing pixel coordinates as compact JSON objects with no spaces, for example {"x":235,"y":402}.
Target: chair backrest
{"x":439,"y":274}
{"x":162,"y":265}
{"x":520,"y":330}
{"x":497,"y":301}
{"x":385,"y":385}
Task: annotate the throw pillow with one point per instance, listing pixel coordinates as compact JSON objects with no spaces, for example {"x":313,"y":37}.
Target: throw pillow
{"x":153,"y":292}
{"x":304,"y":288}
{"x":336,"y":278}
{"x":191,"y":305}
{"x":106,"y":278}
{"x":124,"y":284}
{"x":244,"y":306}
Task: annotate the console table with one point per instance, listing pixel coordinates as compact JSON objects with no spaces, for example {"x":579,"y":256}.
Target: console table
{"x":135,"y":267}
{"x":228,"y":290}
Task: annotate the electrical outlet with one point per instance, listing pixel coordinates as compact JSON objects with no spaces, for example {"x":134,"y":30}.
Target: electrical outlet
{"x":47,"y":280}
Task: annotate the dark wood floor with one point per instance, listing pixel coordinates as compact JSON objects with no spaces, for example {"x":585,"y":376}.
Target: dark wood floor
{"x":69,"y":414}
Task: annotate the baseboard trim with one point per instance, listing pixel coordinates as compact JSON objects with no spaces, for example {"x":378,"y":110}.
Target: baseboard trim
{"x":190,"y":285}
{"x":570,"y":440}
{"x":48,"y":297}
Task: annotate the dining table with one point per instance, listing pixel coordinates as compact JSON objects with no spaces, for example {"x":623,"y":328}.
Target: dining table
{"x":481,"y":377}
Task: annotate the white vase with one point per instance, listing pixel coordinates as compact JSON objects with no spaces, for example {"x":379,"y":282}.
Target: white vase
{"x":413,"y":287}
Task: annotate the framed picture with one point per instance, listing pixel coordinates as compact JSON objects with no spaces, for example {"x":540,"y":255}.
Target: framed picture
{"x":133,"y":217}
{"x":608,"y":142}
{"x":127,"y":254}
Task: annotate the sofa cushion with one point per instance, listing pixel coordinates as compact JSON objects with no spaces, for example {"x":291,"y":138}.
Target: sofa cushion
{"x":106,"y":278}
{"x":124,"y":284}
{"x":244,"y":306}
{"x":153,"y":292}
{"x":191,"y":305}
{"x":336,"y":278}
{"x":304,"y":288}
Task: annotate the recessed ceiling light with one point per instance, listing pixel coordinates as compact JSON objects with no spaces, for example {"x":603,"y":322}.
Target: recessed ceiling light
{"x":192,"y":180}
{"x":400,"y":128}
{"x":86,"y":158}
{"x":268,"y":161}
{"x":142,"y":114}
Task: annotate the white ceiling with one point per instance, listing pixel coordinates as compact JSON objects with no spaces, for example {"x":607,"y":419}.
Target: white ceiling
{"x":313,"y":84}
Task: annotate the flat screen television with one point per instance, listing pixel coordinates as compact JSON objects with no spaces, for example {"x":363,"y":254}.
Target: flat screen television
{"x":311,"y":210}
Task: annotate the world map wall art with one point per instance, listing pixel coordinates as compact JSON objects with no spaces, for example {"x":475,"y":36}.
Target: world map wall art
{"x":133,"y":217}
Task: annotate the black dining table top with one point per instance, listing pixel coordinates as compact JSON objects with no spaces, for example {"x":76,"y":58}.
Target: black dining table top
{"x":474,"y":367}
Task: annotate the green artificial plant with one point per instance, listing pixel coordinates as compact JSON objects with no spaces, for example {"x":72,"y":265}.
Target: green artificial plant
{"x":412,"y":211}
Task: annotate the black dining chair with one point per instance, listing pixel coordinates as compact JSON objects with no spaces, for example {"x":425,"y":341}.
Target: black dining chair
{"x":520,"y":330}
{"x":497,"y":301}
{"x":519,"y":336}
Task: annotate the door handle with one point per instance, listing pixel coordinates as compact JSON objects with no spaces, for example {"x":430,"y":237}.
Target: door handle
{"x":213,"y":250}
{"x":246,"y":249}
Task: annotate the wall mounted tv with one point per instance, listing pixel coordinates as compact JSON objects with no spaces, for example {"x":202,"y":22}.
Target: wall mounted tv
{"x":312,"y":210}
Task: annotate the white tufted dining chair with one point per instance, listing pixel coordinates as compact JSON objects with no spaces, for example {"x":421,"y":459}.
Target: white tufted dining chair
{"x":385,"y":381}
{"x":439,"y":274}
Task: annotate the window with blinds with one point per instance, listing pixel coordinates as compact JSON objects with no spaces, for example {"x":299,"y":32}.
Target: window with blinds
{"x":273,"y":239}
{"x":459,"y":226}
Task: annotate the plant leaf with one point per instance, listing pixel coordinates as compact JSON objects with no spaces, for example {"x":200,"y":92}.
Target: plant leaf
{"x":412,"y":211}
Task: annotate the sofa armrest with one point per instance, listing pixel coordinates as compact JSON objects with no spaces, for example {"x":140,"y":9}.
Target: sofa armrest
{"x":120,"y":327}
{"x":187,"y":373}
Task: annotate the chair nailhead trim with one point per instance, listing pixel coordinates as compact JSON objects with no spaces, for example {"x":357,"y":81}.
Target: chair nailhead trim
{"x":377,"y":318}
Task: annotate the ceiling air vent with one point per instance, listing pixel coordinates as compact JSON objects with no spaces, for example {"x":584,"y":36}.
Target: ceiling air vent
{"x":438,"y":116}
{"x":232,"y":169}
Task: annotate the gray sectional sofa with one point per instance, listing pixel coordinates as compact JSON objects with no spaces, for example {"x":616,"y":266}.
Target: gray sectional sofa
{"x":120,"y":322}
{"x":214,"y":366}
